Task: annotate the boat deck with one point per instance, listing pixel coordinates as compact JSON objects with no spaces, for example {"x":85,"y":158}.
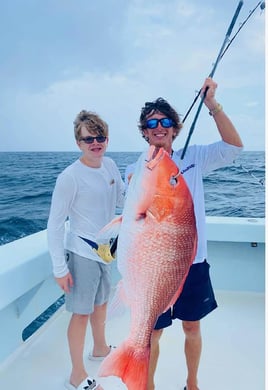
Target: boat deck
{"x":233,"y":355}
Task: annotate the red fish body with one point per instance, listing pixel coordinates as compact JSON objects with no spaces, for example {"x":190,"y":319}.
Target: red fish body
{"x":156,"y":247}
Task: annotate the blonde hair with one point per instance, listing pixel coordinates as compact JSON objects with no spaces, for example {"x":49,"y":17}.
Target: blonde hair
{"x":92,"y":122}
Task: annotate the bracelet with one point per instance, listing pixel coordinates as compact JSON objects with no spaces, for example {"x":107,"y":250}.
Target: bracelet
{"x":215,"y":110}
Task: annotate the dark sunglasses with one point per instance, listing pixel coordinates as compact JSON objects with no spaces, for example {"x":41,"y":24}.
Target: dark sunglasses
{"x":89,"y":140}
{"x":165,"y":122}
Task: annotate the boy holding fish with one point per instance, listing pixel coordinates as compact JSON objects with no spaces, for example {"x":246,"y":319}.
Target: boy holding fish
{"x":160,"y":125}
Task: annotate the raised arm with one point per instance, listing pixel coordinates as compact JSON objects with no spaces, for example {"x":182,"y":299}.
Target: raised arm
{"x":225,"y":127}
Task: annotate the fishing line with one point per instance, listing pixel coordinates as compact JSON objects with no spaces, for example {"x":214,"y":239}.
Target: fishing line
{"x":226,"y":39}
{"x":260,"y":4}
{"x":260,"y":181}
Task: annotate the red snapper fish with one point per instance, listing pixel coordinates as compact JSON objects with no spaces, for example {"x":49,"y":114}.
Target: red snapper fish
{"x":156,"y":247}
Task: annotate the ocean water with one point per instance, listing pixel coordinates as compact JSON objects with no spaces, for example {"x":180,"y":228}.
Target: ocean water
{"x":27,"y":180}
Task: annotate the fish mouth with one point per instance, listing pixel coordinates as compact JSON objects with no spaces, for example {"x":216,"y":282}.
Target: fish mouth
{"x":155,"y":154}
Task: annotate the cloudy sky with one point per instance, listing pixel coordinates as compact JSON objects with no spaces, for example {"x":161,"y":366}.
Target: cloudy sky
{"x":110,"y":56}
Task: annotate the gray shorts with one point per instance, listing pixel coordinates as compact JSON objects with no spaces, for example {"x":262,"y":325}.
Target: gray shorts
{"x":92,"y":284}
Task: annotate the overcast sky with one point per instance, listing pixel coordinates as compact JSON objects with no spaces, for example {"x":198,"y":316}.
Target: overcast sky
{"x":110,"y":56}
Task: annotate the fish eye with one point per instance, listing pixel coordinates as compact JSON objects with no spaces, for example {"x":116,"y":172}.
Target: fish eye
{"x":173,"y":180}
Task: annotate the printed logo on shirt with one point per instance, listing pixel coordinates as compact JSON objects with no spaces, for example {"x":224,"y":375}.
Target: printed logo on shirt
{"x":187,"y":168}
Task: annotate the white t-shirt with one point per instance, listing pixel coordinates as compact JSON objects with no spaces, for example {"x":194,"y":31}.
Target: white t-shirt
{"x":88,"y":197}
{"x":198,"y":160}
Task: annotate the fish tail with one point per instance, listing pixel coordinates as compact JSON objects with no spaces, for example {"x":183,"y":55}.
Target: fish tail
{"x":128,"y":363}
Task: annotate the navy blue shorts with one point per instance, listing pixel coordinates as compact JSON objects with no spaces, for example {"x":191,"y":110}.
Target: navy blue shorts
{"x":196,"y":300}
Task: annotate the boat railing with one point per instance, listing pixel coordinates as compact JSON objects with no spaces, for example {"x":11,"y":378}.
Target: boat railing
{"x":28,"y":288}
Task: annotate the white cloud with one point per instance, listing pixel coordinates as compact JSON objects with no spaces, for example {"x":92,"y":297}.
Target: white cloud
{"x":165,"y":49}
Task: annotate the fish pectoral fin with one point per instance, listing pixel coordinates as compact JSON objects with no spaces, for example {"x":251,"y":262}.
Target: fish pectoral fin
{"x":109,"y":235}
{"x":110,"y":230}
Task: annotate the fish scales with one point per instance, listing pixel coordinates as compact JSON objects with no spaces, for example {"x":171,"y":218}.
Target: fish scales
{"x":156,"y":246}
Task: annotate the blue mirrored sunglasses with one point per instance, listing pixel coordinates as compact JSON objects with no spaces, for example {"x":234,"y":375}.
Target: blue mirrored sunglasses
{"x":89,"y":140}
{"x":153,"y":123}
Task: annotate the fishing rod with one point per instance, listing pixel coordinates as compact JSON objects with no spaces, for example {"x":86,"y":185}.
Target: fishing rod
{"x":260,"y":4}
{"x":226,"y":39}
{"x":224,"y":48}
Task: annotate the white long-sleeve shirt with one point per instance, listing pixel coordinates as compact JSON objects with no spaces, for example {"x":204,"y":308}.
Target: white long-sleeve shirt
{"x":199,"y":160}
{"x":88,"y":197}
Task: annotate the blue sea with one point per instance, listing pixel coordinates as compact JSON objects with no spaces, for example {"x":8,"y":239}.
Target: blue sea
{"x":27,"y":180}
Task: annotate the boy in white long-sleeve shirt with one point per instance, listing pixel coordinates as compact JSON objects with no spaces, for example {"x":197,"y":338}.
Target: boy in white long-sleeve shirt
{"x":86,"y":193}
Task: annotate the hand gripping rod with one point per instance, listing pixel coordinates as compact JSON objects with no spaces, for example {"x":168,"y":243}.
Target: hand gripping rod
{"x":227,"y":36}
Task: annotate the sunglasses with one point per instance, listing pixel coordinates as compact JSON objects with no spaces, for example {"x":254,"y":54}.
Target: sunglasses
{"x":165,"y":122}
{"x":89,"y":140}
